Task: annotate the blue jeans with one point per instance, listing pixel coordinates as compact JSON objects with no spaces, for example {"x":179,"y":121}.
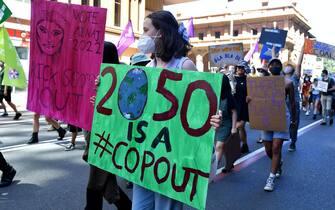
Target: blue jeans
{"x":144,"y":199}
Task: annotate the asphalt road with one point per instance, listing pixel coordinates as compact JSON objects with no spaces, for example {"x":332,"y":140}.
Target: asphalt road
{"x":50,"y":178}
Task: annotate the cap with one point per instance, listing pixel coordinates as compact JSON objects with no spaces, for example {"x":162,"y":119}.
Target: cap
{"x":138,"y":58}
{"x":245,"y":65}
{"x":274,"y":60}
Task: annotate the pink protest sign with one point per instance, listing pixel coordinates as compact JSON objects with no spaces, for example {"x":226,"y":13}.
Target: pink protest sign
{"x":65,"y":56}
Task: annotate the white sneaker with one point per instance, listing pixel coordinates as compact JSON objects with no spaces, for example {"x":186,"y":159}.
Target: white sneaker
{"x":307,"y":113}
{"x":70,"y":147}
{"x":270,"y":184}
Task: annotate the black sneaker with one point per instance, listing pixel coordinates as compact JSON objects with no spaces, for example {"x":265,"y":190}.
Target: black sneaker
{"x":17,"y":116}
{"x":324,"y":123}
{"x":244,"y":148}
{"x":61,"y":133}
{"x":331,"y":122}
{"x":314,"y":116}
{"x":7,"y":178}
{"x":5,"y":114}
{"x":292,"y":147}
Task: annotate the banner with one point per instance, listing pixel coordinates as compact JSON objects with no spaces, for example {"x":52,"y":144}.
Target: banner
{"x":190,"y":28}
{"x":5,"y":12}
{"x":13,"y":72}
{"x":273,"y":37}
{"x":227,"y":54}
{"x":319,"y":49}
{"x":253,"y":49}
{"x":267,"y":97}
{"x":126,"y":39}
{"x":150,"y":128}
{"x":65,"y":56}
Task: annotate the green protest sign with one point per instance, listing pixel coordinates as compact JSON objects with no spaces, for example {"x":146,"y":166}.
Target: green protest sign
{"x":5,"y":13}
{"x":152,"y":127}
{"x":14,"y":73}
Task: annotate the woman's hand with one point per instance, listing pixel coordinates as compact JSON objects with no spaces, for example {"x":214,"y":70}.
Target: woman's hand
{"x":216,"y":119}
{"x":97,"y":82}
{"x":248,"y":99}
{"x":233,"y":130}
{"x":92,"y":100}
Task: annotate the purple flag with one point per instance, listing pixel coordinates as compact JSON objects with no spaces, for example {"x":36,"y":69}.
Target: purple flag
{"x":190,"y":28}
{"x":126,"y":39}
{"x":253,"y":49}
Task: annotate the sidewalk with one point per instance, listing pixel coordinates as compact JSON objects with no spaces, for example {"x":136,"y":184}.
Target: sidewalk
{"x":19,"y":98}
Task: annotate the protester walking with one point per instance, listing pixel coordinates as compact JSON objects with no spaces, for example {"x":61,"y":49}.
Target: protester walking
{"x":327,"y":98}
{"x":241,"y":104}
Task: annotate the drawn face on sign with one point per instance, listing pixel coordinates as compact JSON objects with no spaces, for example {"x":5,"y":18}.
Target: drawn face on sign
{"x":50,"y":36}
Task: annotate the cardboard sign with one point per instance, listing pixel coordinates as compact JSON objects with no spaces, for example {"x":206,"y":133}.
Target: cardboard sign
{"x":65,"y":56}
{"x":273,"y":37}
{"x":322,"y":86}
{"x":149,"y":129}
{"x":308,"y":71}
{"x":13,"y":72}
{"x":227,"y":54}
{"x":267,"y":107}
{"x":319,"y":49}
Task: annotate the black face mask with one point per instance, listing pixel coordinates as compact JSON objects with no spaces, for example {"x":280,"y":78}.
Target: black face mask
{"x":275,"y":70}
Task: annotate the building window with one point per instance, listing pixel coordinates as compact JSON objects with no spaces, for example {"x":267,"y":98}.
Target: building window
{"x":217,"y":35}
{"x":117,"y":13}
{"x":22,"y":52}
{"x":97,"y":3}
{"x":230,"y":0}
{"x":201,"y":36}
{"x":85,"y":2}
{"x":235,"y":33}
{"x":254,"y":31}
{"x":265,"y":4}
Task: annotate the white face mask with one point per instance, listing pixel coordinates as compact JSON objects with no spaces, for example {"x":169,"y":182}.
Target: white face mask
{"x":146,"y":44}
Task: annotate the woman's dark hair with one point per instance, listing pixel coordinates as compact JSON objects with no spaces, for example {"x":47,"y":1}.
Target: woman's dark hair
{"x":170,"y":44}
{"x":110,"y":53}
{"x":225,"y":88}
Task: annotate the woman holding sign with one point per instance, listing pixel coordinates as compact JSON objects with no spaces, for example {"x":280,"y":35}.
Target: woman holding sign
{"x":273,"y":140}
{"x":168,"y":43}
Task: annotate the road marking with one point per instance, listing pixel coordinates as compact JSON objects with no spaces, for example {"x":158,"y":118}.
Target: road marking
{"x":50,"y":141}
{"x":11,"y":121}
{"x":256,"y":155}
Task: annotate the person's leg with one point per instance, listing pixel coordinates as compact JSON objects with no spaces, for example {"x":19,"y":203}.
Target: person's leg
{"x":329,"y":109}
{"x":294,"y":131}
{"x":143,"y":199}
{"x":165,"y":203}
{"x":243,"y":136}
{"x":36,"y":127}
{"x":219,"y":150}
{"x":268,"y":148}
{"x":124,"y":203}
{"x":74,"y":133}
{"x":94,"y":199}
{"x":324,"y":109}
{"x":8,"y":172}
{"x":61,"y":131}
{"x":3,"y":106}
{"x":276,"y":155}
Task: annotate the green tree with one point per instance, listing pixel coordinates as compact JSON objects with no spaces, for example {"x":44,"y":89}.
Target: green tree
{"x":329,"y":64}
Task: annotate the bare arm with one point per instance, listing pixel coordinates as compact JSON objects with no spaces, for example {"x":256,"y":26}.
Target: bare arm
{"x":189,"y":65}
{"x":301,"y":57}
